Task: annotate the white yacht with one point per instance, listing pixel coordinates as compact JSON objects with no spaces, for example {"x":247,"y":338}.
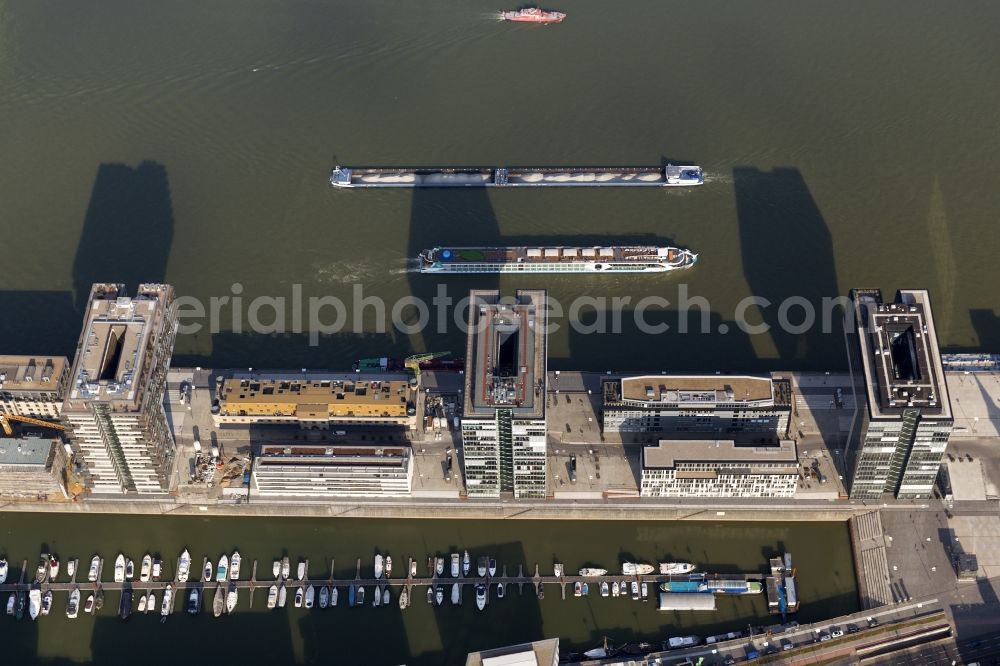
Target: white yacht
{"x":333,"y":596}
{"x":310,"y":596}
{"x":184,"y":566}
{"x":676,"y":568}
{"x":34,"y":602}
{"x":71,"y":569}
{"x":208,"y":571}
{"x":590,"y":572}
{"x":454,"y":565}
{"x":481,"y":591}
{"x":168,"y":596}
{"x":47,"y":602}
{"x":120,"y":568}
{"x":73,"y":607}
{"x":466,"y":564}
{"x":222,"y":571}
{"x":286,"y":568}
{"x":95,"y":569}
{"x":456,"y":594}
{"x":142,"y":603}
{"x":3,"y":571}
{"x":637,"y":569}
{"x":234,"y":565}
{"x":324,"y":596}
{"x":232,"y":597}
{"x":378,"y":566}
{"x":301,"y":573}
{"x":146,"y":567}
{"x":272,"y":596}
{"x":299,"y":596}
{"x":276,"y":569}
{"x":194,"y":601}
{"x":282,"y":595}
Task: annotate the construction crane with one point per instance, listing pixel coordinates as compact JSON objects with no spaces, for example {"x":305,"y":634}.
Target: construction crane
{"x":413,"y":362}
{"x":5,"y":420}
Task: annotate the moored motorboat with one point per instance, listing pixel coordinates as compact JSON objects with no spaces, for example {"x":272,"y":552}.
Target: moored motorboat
{"x":234,"y":565}
{"x":129,"y":569}
{"x":157,"y":567}
{"x":184,"y":566}
{"x":413,"y":568}
{"x":455,"y":565}
{"x":333,"y":596}
{"x":73,"y":607}
{"x":386,"y":596}
{"x":34,"y":603}
{"x":481,"y":566}
{"x":439,"y":566}
{"x":219,"y":602}
{"x":47,"y":602}
{"x":491,"y":567}
{"x":676,"y":568}
{"x":300,"y":572}
{"x":88,"y":607}
{"x":222,"y":569}
{"x":439,"y":595}
{"x":604,"y":588}
{"x":282,"y":596}
{"x":614,"y":589}
{"x":645,"y":591}
{"x":377,"y":597}
{"x":168,"y":597}
{"x":232,"y":597}
{"x":456,"y":594}
{"x":676,"y":642}
{"x":404,"y":597}
{"x":388,"y":566}
{"x":361,"y":595}
{"x":299,"y":596}
{"x":310,"y":596}
{"x":379,"y":564}
{"x":324,"y":596}
{"x":501,"y":590}
{"x":577,"y":589}
{"x":42,"y":570}
{"x":591,"y":572}
{"x":430,"y":594}
{"x":276,"y":569}
{"x":53,"y":568}
{"x":285,"y":567}
{"x":481,"y":592}
{"x":150,"y":604}
{"x":143,"y":600}
{"x":637,"y":569}
{"x":207,"y":572}
{"x":95,"y":569}
{"x":3,"y":571}
{"x":635,"y":591}
{"x":586,"y":589}
{"x":71,"y":569}
{"x":466,"y":564}
{"x":272,"y":596}
{"x":146,"y":567}
{"x":194,"y":601}
{"x":12,"y":602}
{"x":120,"y":568}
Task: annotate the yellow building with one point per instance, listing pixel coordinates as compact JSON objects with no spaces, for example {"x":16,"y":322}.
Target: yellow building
{"x":314,"y":400}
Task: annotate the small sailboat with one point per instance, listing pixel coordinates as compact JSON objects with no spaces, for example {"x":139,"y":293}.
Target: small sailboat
{"x":386,"y":596}
{"x":88,"y":607}
{"x":388,"y":566}
{"x":53,"y":568}
{"x":276,"y":569}
{"x":232,"y":597}
{"x":95,"y":569}
{"x":120,"y":568}
{"x":455,"y":565}
{"x":47,"y":602}
{"x":299,"y":596}
{"x":234,"y":565}
{"x":73,"y":607}
{"x":439,"y":595}
{"x":404,"y":597}
{"x":439,"y":566}
{"x":481,"y":567}
{"x":310,"y":596}
{"x":333,"y":596}
{"x":577,"y":589}
{"x":70,"y":569}
{"x":168,"y":596}
{"x":219,"y":602}
{"x":282,"y":596}
{"x":146,"y":567}
{"x":184,"y":566}
{"x":208,"y":571}
{"x":194,"y":601}
{"x":129,"y":569}
{"x":272,"y":596}
{"x":142,"y":603}
{"x":430,"y":594}
{"x":301,"y":572}
{"x":501,"y":590}
{"x":604,"y":588}
{"x":481,"y":591}
{"x":157,"y":565}
{"x":466,"y":563}
{"x":456,"y":594}
{"x":378,"y":566}
{"x":222,"y":570}
{"x":3,"y":571}
{"x":285,"y":568}
{"x":324,"y":596}
{"x":150,"y":603}
{"x":491,"y":568}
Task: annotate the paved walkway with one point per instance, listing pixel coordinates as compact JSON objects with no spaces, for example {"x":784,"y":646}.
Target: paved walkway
{"x":870,"y":558}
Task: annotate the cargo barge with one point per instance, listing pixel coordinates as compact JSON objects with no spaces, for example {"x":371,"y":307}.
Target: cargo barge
{"x":608,"y":259}
{"x":666,"y":176}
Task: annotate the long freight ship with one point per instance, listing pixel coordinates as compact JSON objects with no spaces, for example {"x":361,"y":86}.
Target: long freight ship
{"x":667,"y":176}
{"x":610,"y":259}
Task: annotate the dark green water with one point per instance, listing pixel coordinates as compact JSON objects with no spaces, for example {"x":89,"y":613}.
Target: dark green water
{"x":420,"y":634}
{"x":846,"y":144}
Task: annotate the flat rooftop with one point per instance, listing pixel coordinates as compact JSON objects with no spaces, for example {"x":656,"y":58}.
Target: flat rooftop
{"x":539,"y":653}
{"x":31,"y":373}
{"x":506,"y":354}
{"x":669,"y":452}
{"x":315,"y":396}
{"x":334,"y":455}
{"x":684,"y":390}
{"x":110,"y":363}
{"x":28,"y":451}
{"x":900,"y":355}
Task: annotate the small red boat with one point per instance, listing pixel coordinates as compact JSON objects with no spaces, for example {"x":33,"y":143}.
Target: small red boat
{"x":533,"y":15}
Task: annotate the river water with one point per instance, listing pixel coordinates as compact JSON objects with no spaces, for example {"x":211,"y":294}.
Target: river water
{"x":846,"y":144}
{"x":421,"y":634}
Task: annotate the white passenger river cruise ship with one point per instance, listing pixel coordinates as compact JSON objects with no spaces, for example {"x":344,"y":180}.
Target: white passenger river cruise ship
{"x":607,"y":259}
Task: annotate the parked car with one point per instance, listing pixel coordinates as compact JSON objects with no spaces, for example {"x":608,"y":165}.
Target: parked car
{"x":853,"y":629}
{"x":836,"y":633}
